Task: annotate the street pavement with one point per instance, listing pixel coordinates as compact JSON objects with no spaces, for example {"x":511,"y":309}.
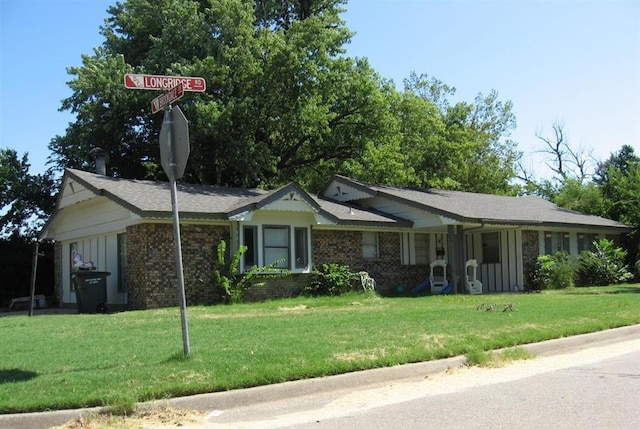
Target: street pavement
{"x":223,"y":403}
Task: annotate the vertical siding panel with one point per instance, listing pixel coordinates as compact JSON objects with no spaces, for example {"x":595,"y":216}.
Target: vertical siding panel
{"x":497,"y":270}
{"x":491,"y":277}
{"x":511,"y":270}
{"x":518,"y":269}
{"x":66,"y":271}
{"x":504,"y":260}
{"x":102,"y":253}
{"x":507,"y":270}
{"x":485,"y":275}
{"x":93,"y":252}
{"x":111,"y":265}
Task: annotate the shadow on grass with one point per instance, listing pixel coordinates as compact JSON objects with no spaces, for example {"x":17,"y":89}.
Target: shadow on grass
{"x":178,"y":357}
{"x":606,"y":290}
{"x":15,"y":375}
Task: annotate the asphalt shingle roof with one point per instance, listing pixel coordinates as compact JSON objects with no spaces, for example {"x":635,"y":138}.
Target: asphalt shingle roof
{"x":153,"y":199}
{"x":146,"y":197}
{"x":473,"y":207}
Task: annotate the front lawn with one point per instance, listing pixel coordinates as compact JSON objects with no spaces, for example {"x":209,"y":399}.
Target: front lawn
{"x":69,"y":361}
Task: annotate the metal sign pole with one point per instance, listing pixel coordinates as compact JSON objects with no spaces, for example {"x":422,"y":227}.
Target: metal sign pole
{"x":34,"y":271}
{"x":168,"y":121}
{"x":174,"y":153}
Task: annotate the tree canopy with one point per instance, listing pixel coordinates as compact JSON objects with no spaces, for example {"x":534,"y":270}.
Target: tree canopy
{"x":283,"y":102}
{"x":26,"y":199}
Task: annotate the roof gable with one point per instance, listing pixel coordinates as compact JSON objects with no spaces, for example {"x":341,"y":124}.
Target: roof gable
{"x":291,"y":198}
{"x":150,"y":199}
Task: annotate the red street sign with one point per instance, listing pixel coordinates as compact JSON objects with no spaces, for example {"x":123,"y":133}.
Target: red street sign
{"x":157,"y":82}
{"x":167,"y":98}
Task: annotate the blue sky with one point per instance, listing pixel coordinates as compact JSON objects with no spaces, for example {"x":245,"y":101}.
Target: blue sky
{"x":572,"y":61}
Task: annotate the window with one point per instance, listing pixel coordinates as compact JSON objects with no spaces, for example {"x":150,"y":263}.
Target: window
{"x":300,"y":249}
{"x":556,"y":242}
{"x":415,"y":248}
{"x":585,"y":242}
{"x":122,"y":263}
{"x":250,"y":240}
{"x":276,"y":246}
{"x":422,"y":248}
{"x":370,"y":245}
{"x":491,"y":248}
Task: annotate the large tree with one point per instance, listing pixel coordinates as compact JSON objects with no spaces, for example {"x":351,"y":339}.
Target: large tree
{"x":281,"y":95}
{"x":462,"y":145}
{"x":283,"y":102}
{"x":619,"y":181}
{"x":25,"y":199}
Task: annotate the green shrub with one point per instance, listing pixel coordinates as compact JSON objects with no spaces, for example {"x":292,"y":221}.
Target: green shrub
{"x":551,"y":272}
{"x":331,"y":279}
{"x":563,"y":273}
{"x":234,"y":283}
{"x":603,"y":266}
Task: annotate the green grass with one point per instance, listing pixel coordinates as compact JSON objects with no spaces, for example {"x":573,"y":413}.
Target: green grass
{"x":67,"y":361}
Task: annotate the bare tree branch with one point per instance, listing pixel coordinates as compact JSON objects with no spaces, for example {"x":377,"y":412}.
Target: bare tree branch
{"x":565,"y":161}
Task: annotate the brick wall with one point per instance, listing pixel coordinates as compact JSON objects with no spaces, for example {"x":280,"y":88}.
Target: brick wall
{"x":153,"y":280}
{"x":276,"y":287}
{"x":152,"y":264}
{"x":345,"y":247}
{"x":530,"y":251}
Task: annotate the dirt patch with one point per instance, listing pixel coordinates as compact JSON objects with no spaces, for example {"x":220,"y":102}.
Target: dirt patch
{"x":300,"y":307}
{"x":146,"y":418}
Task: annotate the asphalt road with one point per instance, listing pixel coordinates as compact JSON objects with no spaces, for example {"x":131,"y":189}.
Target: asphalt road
{"x":598,"y":387}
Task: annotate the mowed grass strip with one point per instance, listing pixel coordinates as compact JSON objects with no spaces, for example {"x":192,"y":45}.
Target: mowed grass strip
{"x":69,"y":361}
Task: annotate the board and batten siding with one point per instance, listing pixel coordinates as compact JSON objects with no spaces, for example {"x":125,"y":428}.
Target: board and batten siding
{"x":103,"y":251}
{"x":93,"y":226}
{"x":507,"y":274}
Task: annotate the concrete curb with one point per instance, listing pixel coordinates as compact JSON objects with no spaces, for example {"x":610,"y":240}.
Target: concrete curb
{"x":275,"y":392}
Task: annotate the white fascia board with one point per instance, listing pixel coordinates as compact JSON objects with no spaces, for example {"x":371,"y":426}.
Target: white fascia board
{"x":243,"y":217}
{"x":448,"y":221}
{"x":323,"y":220}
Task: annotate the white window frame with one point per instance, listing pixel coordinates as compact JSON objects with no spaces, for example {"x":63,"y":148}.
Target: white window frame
{"x":301,"y":250}
{"x":252,"y":250}
{"x":585,"y":241}
{"x":370,"y":245}
{"x":555,"y":241}
{"x":263,"y":249}
{"x":278,"y":246}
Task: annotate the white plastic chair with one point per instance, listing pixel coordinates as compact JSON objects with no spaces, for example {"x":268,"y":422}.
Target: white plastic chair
{"x":368,"y":283}
{"x":471,"y":283}
{"x":438,"y":276}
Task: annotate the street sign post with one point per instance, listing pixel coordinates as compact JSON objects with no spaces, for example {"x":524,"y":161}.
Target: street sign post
{"x":167,"y":98}
{"x":159,"y":82}
{"x":174,"y":153}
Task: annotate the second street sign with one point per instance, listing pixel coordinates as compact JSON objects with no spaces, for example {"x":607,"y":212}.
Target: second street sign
{"x":167,"y":98}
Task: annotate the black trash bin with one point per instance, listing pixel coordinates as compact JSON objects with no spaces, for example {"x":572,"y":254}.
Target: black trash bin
{"x":91,"y":291}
